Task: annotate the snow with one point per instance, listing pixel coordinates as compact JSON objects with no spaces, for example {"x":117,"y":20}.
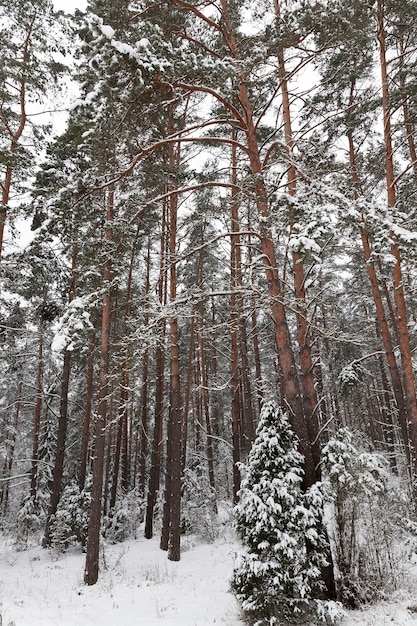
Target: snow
{"x":108,"y":31}
{"x":138,"y":585}
{"x":385,"y":614}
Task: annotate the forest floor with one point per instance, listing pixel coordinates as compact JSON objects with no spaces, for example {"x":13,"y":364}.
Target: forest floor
{"x":138,"y":586}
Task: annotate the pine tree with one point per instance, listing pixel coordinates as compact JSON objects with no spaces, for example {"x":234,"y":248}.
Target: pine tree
{"x":29,"y":41}
{"x":279,"y":574}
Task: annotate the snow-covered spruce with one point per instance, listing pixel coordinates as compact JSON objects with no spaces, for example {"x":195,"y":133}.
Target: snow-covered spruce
{"x":69,"y":526}
{"x":279,"y":574}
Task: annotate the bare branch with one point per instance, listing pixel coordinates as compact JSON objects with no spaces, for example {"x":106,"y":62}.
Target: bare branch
{"x":140,"y":213}
{"x":217,"y":96}
{"x":199,"y":14}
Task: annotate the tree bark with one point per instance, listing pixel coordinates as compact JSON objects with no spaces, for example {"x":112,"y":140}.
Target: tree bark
{"x":155,"y":469}
{"x":94,"y":525}
{"x":144,"y":413}
{"x":310,"y":402}
{"x":15,"y":135}
{"x":56,"y":487}
{"x":205,"y":397}
{"x":398,"y":284}
{"x":8,"y":462}
{"x":173,"y":468}
{"x":37,"y":418}
{"x":87,"y":412}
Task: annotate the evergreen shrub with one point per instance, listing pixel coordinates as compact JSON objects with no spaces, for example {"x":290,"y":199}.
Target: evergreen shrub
{"x":278,"y":577}
{"x":69,"y":525}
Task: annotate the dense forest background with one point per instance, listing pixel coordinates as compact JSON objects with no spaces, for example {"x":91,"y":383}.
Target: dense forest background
{"x":228,"y":220}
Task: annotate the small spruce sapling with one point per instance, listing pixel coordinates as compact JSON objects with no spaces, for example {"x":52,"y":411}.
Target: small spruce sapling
{"x":279,"y":575}
{"x":69,"y":525}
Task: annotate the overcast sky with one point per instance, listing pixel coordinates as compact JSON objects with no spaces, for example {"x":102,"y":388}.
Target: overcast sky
{"x":70,"y":5}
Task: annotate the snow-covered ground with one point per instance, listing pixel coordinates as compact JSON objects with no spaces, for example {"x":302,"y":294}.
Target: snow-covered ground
{"x":138,"y":586}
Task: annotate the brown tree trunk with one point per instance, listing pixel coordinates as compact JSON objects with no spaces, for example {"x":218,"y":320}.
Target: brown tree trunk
{"x":306,"y":426}
{"x":155,"y":468}
{"x":246,"y":406}
{"x":386,"y":340}
{"x":257,"y":358}
{"x":236,"y":408}
{"x":205,"y":397}
{"x":144,"y":413}
{"x":8,"y":462}
{"x":126,"y":445}
{"x":126,"y":435}
{"x":87,"y":413}
{"x":144,"y":423}
{"x":382,"y":324}
{"x":184,"y":434}
{"x":15,"y":135}
{"x":94,"y":525}
{"x":310,"y":403}
{"x":117,"y":452}
{"x":56,"y":487}
{"x":111,"y":420}
{"x":173,"y":465}
{"x":399,"y":297}
{"x":37,"y":418}
{"x":408,"y":126}
{"x":386,"y":415}
{"x":255,"y":337}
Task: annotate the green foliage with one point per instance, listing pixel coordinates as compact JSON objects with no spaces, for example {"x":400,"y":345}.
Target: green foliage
{"x":69,"y":525}
{"x":31,"y":43}
{"x":30,"y":520}
{"x":281,"y":528}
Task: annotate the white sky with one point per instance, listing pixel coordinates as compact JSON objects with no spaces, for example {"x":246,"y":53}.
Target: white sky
{"x":70,"y":5}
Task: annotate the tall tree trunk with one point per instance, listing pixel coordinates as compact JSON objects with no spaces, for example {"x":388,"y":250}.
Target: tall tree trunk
{"x":304,"y":410}
{"x":310,"y":403}
{"x":126,"y":435}
{"x":173,"y":466}
{"x":285,"y":354}
{"x":87,"y":412}
{"x":184,"y":433}
{"x":399,"y":297}
{"x":247,"y":426}
{"x":37,"y":418}
{"x":56,"y":487}
{"x":408,"y":126}
{"x":382,"y":324}
{"x":111,"y":420}
{"x":144,"y":413}
{"x":155,"y":468}
{"x":94,"y":525}
{"x":126,"y":445}
{"x":236,"y":409}
{"x":15,"y":135}
{"x":255,"y":335}
{"x":117,"y":452}
{"x":387,"y":422}
{"x":205,"y":397}
{"x":8,"y":461}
